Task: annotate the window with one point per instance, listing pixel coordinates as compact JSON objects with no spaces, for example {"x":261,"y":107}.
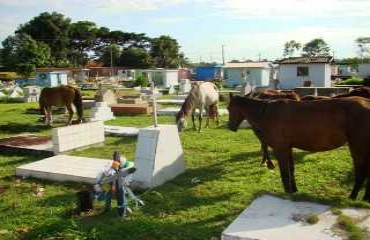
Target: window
{"x":302,"y":71}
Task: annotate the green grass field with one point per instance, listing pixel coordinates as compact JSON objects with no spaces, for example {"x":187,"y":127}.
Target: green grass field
{"x":226,"y":163}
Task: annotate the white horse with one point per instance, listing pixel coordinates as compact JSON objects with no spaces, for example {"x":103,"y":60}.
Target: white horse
{"x":203,"y":95}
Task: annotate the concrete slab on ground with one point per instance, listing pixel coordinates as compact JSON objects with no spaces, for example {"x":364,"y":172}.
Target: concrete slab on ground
{"x":172,"y":111}
{"x":121,"y":131}
{"x":64,"y":168}
{"x":270,"y":217}
{"x":170,"y":101}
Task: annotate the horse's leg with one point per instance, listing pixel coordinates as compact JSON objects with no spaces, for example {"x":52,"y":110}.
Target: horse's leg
{"x":200,"y":118}
{"x":286,"y":165}
{"x":48,"y":115}
{"x":207,"y":112}
{"x":193,"y":120}
{"x":367,"y":191}
{"x":266,"y":157}
{"x":217,"y":115}
{"x":360,"y":168}
{"x":70,"y":112}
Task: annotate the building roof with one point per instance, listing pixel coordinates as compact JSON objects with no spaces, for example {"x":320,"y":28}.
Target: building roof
{"x":306,"y":60}
{"x":247,"y":65}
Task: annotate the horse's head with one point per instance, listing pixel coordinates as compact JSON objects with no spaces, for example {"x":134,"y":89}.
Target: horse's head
{"x":180,"y":121}
{"x":235,"y":115}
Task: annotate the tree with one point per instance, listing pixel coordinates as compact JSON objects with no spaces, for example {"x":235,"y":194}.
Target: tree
{"x":316,"y":47}
{"x":165,"y":52}
{"x":82,"y":38}
{"x":136,"y":58}
{"x":51,"y":29}
{"x":110,"y":55}
{"x":364,"y":45}
{"x":24,"y":54}
{"x":290,"y":47}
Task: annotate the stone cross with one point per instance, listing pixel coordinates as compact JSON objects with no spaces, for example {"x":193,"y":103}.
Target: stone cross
{"x":152,"y":89}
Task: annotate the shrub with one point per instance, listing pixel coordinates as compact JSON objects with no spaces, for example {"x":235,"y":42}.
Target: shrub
{"x":354,"y":80}
{"x":142,"y":81}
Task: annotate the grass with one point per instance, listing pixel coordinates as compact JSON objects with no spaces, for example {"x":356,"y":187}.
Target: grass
{"x":226,"y":163}
{"x":348,"y":224}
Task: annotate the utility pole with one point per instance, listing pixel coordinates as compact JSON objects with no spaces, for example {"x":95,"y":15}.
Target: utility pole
{"x":223,"y":54}
{"x":259,"y":57}
{"x":111,"y":58}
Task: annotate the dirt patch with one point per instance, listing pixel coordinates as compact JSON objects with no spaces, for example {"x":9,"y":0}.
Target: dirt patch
{"x":28,"y":140}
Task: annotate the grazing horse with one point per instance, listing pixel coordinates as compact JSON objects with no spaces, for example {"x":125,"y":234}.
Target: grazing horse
{"x":201,"y":96}
{"x":314,"y":126}
{"x":60,"y":96}
{"x":271,"y":94}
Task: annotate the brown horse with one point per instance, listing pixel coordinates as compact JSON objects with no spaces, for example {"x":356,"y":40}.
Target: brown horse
{"x":60,"y":96}
{"x":271,"y":94}
{"x":315,"y":126}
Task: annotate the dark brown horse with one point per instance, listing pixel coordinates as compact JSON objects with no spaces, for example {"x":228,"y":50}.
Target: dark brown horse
{"x":61,"y":96}
{"x":315,"y":126}
{"x":272,"y":94}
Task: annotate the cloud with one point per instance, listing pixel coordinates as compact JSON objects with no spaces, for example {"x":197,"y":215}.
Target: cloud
{"x":292,"y":8}
{"x":270,"y":43}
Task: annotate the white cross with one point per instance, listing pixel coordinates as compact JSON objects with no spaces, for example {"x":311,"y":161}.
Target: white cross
{"x":152,"y":89}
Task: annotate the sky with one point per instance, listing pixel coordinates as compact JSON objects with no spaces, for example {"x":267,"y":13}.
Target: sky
{"x":248,"y":29}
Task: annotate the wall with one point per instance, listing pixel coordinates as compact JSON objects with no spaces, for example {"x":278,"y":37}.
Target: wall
{"x":205,"y":73}
{"x":257,"y":76}
{"x":172,"y":78}
{"x":319,"y":74}
{"x":364,"y":69}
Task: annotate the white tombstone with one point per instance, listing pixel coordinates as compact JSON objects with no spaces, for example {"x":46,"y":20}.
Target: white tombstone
{"x":185,"y":86}
{"x":159,"y":156}
{"x":171,"y":90}
{"x":106,"y":95}
{"x":16,"y":92}
{"x":101,"y":112}
{"x":31,"y":93}
{"x":77,"y":136}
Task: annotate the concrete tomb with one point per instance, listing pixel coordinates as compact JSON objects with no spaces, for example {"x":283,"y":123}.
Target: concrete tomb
{"x":77,"y":136}
{"x":101,"y":112}
{"x":122,"y":109}
{"x":270,"y":217}
{"x":159,"y":156}
{"x":64,"y":168}
{"x":121,"y":131}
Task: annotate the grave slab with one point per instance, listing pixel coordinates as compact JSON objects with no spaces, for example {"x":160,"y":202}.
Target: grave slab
{"x":270,"y":217}
{"x":121,"y":131}
{"x":159,"y":156}
{"x":63,"y":168}
{"x":170,"y":101}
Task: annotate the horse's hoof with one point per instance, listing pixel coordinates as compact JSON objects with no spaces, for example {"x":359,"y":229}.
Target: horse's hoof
{"x":270,"y":165}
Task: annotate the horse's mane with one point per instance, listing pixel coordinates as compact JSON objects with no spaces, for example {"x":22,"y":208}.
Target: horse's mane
{"x":189,"y":102}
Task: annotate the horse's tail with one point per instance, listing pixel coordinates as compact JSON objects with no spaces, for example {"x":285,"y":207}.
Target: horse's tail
{"x":77,"y":101}
{"x":212,"y":111}
{"x":42,"y":104}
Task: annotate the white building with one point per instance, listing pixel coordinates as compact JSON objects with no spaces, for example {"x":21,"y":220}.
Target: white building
{"x":256,"y":73}
{"x":293,"y":72}
{"x":162,"y":78}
